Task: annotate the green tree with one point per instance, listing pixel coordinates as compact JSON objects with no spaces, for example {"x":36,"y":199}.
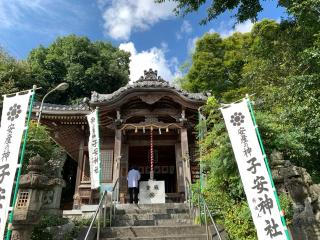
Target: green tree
{"x":40,"y":142}
{"x":217,"y":64}
{"x":306,"y":11}
{"x":280,"y":64}
{"x":87,"y":66}
{"x":11,"y":72}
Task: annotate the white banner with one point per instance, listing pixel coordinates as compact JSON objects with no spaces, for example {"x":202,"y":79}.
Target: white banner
{"x":93,"y":147}
{"x":253,"y":172}
{"x":12,"y":127}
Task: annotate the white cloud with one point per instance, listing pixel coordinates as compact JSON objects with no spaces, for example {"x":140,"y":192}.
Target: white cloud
{"x":191,"y":45}
{"x":12,"y":11}
{"x":16,"y":14}
{"x":185,"y":28}
{"x":153,"y":58}
{"x":241,"y":27}
{"x":244,"y":27}
{"x":122,"y":17}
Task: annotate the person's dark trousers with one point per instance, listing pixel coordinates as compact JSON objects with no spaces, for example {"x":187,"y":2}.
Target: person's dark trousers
{"x":134,"y":194}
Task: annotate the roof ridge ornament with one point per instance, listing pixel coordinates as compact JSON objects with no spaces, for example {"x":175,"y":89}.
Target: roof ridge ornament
{"x":151,"y":76}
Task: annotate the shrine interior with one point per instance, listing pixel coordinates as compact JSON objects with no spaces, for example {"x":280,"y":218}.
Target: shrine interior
{"x":164,"y":164}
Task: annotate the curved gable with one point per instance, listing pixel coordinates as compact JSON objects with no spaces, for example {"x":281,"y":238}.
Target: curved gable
{"x":150,"y":88}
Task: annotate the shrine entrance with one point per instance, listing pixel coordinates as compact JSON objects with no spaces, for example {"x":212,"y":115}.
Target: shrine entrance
{"x":148,"y":115}
{"x":164,"y":164}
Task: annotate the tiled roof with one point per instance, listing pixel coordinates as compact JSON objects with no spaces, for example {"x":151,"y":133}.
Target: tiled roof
{"x":150,"y":80}
{"x":58,"y":107}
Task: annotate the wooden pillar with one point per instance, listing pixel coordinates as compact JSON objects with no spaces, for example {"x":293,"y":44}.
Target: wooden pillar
{"x":185,"y":154}
{"x":76,"y":196}
{"x":124,"y":172}
{"x":117,"y":155}
{"x":179,"y":168}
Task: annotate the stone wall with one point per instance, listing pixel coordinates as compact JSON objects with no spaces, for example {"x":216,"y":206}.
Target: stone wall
{"x":297,"y":183}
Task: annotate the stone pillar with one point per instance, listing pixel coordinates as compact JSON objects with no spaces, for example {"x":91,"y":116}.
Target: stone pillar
{"x":117,"y":155}
{"x":185,"y":154}
{"x":76,"y":196}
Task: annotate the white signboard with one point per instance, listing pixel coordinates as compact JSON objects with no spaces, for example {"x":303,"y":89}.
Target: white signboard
{"x":12,"y":126}
{"x":152,"y":192}
{"x":253,"y":172}
{"x":93,"y":148}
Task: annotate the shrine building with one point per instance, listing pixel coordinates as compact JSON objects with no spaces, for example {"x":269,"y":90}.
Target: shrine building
{"x":126,"y":119}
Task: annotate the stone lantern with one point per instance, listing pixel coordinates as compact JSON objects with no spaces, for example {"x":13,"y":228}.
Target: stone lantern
{"x":38,"y":194}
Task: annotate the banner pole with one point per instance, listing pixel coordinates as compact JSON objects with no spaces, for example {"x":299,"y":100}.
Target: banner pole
{"x":20,"y":162}
{"x":268,"y":167}
{"x":201,"y":135}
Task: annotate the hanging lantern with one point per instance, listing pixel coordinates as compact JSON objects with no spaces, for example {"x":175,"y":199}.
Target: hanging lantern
{"x":160,"y":131}
{"x":167,"y":129}
{"x":136,"y":130}
{"x":144,"y":129}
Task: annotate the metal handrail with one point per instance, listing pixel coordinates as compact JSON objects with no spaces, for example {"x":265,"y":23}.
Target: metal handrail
{"x":188,"y":193}
{"x":189,"y":200}
{"x":206,"y":210}
{"x":95,"y":216}
{"x":100,"y":206}
{"x":114,"y":200}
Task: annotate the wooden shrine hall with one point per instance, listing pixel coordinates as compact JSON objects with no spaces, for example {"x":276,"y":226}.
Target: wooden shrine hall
{"x":126,"y":119}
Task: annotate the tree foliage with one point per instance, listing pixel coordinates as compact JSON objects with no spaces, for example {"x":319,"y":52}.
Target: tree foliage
{"x":305,"y":11}
{"x":281,"y":69}
{"x":87,"y":66}
{"x":11,"y":73}
{"x":40,"y":142}
{"x":280,"y":64}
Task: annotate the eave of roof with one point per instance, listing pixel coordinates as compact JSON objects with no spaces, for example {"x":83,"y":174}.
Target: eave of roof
{"x":61,"y":109}
{"x":149,"y":82}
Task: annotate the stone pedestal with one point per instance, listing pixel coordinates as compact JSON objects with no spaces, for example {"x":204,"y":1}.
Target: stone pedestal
{"x":152,"y":192}
{"x":22,"y":232}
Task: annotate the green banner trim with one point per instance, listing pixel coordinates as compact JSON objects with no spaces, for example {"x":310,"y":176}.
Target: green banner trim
{"x":268,"y":168}
{"x":20,"y":167}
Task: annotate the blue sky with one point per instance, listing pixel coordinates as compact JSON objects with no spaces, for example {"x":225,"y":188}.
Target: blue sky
{"x":151,"y":32}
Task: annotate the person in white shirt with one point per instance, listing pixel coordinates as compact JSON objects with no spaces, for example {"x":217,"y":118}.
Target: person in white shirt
{"x":133,"y":184}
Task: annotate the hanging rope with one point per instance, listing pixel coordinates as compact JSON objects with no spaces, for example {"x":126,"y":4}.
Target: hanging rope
{"x":143,"y":127}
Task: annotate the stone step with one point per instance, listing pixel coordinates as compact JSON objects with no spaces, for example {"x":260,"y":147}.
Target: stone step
{"x":148,"y":206}
{"x":165,"y":208}
{"x":154,"y":216}
{"x":180,"y":237}
{"x":152,"y":231}
{"x":151,"y":210}
{"x":155,"y":222}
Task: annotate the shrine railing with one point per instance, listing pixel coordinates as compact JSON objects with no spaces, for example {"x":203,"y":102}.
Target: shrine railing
{"x":188,"y":195}
{"x":206,"y":212}
{"x":98,"y":214}
{"x":114,"y":200}
{"x":203,"y":209}
{"x":103,"y":207}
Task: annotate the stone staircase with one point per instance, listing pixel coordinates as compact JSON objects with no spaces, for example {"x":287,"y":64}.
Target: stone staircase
{"x":154,"y":221}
